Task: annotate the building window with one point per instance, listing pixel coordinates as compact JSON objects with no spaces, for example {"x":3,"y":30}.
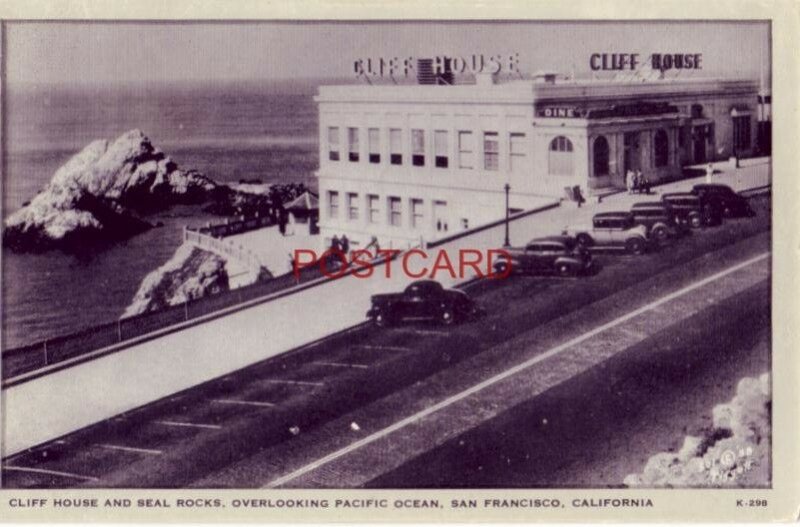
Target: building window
{"x":491,"y":151}
{"x":741,"y":132}
{"x":395,"y":146}
{"x":697,"y":111}
{"x":374,"y":138}
{"x":440,"y":148}
{"x":416,"y":213}
{"x":333,"y":204}
{"x":560,"y":157}
{"x":352,"y":143}
{"x":600,"y":156}
{"x":395,"y":217}
{"x":516,"y":152}
{"x":660,"y":148}
{"x":373,"y":206}
{"x":466,"y":147}
{"x":333,"y":143}
{"x":352,"y":206}
{"x":418,"y":147}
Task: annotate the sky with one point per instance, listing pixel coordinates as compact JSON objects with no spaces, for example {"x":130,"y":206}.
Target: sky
{"x":92,"y":52}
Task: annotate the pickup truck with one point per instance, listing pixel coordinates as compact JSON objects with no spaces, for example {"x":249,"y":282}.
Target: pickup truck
{"x":561,"y":255}
{"x":611,"y":229}
{"x":422,"y":300}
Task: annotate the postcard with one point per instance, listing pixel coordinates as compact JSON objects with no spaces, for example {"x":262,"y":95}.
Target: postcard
{"x":442,"y":265}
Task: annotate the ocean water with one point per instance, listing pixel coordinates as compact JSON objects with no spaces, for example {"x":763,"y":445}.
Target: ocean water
{"x":265,"y":130}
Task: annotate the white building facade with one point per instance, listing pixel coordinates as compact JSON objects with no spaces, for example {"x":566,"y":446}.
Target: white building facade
{"x":403,"y":164}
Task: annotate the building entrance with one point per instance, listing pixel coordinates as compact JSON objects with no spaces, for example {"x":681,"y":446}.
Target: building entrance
{"x":633,"y":155}
{"x":699,"y":138}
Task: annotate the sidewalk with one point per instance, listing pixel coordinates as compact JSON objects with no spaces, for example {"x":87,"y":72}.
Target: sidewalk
{"x":752,"y":173}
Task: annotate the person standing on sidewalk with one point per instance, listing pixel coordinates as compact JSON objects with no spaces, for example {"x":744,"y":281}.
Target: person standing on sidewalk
{"x":630,"y":180}
{"x":709,"y":172}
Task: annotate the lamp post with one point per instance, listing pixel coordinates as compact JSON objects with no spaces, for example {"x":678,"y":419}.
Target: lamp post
{"x":507,"y":189}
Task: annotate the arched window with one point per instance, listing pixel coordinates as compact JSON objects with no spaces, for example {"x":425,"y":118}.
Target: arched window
{"x":661,"y":148}
{"x":560,"y":158}
{"x":600,"y":157}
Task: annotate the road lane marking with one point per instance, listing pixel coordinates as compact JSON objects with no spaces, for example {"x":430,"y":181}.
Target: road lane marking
{"x":188,"y":425}
{"x":130,"y":449}
{"x":342,"y":364}
{"x":49,"y":472}
{"x":506,"y":374}
{"x":244,"y":403}
{"x":299,"y":383}
{"x":382,"y":348}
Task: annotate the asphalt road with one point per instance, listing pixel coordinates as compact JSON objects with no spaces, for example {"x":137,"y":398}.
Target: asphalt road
{"x":255,"y":425}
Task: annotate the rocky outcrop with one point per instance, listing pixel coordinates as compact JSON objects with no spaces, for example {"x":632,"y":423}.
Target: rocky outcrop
{"x":191,"y":273}
{"x":735,"y":452}
{"x":100,"y":192}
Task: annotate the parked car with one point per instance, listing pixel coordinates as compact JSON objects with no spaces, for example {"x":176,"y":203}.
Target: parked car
{"x":732,"y":204}
{"x":659,"y":218}
{"x":693,"y":210}
{"x":422,"y":300}
{"x":561,"y":255}
{"x":611,"y":229}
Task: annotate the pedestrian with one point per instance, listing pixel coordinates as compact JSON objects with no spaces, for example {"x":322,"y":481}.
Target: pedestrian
{"x":336,"y":247}
{"x":645,"y":185}
{"x":630,"y":182}
{"x":709,"y":172}
{"x":345,"y":245}
{"x":576,"y":192}
{"x":639,"y":181}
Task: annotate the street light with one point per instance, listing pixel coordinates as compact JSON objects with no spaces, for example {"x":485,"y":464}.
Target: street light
{"x":507,"y":242}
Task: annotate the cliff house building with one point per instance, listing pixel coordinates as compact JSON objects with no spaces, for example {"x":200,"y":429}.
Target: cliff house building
{"x":400,"y":164}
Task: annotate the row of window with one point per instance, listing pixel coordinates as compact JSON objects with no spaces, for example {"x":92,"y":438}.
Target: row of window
{"x":466,"y":151}
{"x":372,"y":203}
{"x":560,"y":151}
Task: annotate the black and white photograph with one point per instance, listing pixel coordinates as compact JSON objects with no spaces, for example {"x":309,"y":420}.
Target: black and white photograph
{"x":387,"y":255}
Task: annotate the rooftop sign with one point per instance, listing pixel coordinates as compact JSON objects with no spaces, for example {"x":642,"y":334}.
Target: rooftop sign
{"x":402,"y":67}
{"x":658,"y":61}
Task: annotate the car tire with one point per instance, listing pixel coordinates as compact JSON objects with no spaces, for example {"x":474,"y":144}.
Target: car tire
{"x":635,"y":246}
{"x":501,"y":268}
{"x":447,"y":316}
{"x":563,"y":270}
{"x":584,"y":239}
{"x":660,"y":233}
{"x":695,"y":221}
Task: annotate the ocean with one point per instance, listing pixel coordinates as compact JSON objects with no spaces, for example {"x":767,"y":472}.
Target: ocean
{"x":255,"y":130}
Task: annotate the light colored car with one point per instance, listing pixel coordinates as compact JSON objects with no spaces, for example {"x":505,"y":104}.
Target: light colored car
{"x":611,"y":229}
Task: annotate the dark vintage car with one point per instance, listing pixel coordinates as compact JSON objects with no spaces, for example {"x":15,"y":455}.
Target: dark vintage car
{"x":611,"y":230}
{"x":661,"y":221}
{"x":422,"y":300}
{"x":732,"y":204}
{"x":693,"y":210}
{"x":561,"y":255}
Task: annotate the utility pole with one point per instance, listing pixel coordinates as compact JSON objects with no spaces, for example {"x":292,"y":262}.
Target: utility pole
{"x":507,"y":242}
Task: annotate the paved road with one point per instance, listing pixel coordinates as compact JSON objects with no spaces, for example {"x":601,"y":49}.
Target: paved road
{"x":253,"y":427}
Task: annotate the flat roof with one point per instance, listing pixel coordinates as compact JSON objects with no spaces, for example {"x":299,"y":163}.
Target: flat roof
{"x":528,"y":91}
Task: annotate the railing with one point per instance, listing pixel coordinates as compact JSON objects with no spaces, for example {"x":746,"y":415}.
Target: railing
{"x":223,"y":247}
{"x":17,"y":361}
{"x":44,"y":353}
{"x":235,"y":227}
